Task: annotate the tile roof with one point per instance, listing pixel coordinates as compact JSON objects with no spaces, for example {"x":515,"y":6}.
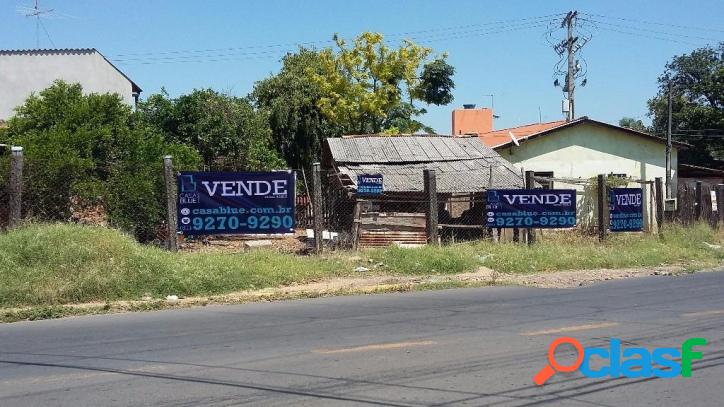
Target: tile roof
{"x":461,"y":164}
{"x":500,"y":138}
{"x":49,"y":51}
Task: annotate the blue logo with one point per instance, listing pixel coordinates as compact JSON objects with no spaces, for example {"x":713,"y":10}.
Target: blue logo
{"x":187,"y":183}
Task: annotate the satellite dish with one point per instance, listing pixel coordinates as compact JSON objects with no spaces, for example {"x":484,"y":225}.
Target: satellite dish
{"x":512,"y":137}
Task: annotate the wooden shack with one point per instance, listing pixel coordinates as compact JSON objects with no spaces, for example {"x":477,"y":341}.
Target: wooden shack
{"x":464,"y":169}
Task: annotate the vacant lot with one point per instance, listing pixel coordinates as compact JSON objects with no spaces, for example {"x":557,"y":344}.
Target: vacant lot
{"x":42,"y":265}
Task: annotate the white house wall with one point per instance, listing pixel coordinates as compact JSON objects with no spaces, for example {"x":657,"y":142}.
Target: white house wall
{"x":586,"y":150}
{"x":23,"y":74}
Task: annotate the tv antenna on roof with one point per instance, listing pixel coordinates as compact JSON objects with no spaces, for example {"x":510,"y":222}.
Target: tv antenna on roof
{"x":37,"y":12}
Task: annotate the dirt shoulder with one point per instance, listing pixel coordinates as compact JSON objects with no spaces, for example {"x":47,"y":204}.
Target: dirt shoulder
{"x":364,"y":284}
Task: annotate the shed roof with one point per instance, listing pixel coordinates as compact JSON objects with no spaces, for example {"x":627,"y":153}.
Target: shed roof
{"x":407,"y":149}
{"x":461,"y":164}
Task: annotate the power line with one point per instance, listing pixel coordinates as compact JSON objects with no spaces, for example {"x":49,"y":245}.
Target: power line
{"x":688,"y":27}
{"x":651,"y":31}
{"x":46,"y":33}
{"x":650,"y":36}
{"x":453,"y":31}
{"x":231,"y":56}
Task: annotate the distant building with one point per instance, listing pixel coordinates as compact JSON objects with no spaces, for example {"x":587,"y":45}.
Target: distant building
{"x":689,"y":174}
{"x":471,"y":121}
{"x":23,"y":72}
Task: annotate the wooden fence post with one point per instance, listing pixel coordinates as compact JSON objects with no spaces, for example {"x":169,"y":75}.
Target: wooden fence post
{"x":720,"y":203}
{"x":530,"y":184}
{"x":431,"y":193}
{"x":15,"y":200}
{"x":356,"y":223}
{"x":171,"y":197}
{"x":602,"y":201}
{"x":659,"y":196}
{"x":317,"y":206}
{"x":698,"y":201}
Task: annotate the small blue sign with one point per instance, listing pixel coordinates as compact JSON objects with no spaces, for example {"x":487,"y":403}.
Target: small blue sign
{"x":530,"y":208}
{"x":370,"y":184}
{"x":236,"y":202}
{"x":626,"y":210}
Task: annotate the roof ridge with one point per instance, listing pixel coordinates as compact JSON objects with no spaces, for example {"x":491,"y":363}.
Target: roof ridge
{"x":44,"y":51}
{"x":525,"y":125}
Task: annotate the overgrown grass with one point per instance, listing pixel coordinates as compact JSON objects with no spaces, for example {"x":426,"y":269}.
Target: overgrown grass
{"x":61,"y":263}
{"x":562,"y":251}
{"x":49,"y":265}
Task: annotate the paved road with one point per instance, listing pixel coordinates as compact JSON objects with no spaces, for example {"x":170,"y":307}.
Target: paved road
{"x":451,"y":347}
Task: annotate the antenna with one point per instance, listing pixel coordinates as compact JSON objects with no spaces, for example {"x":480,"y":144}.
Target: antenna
{"x":37,"y":13}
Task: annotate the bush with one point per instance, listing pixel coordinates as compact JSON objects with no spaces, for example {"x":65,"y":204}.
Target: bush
{"x":88,"y":150}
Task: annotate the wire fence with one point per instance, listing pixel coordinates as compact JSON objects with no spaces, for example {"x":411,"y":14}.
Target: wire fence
{"x":4,"y":191}
{"x":401,"y":215}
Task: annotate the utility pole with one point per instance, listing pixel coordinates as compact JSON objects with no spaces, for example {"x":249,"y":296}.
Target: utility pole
{"x":668,"y":147}
{"x":568,"y":22}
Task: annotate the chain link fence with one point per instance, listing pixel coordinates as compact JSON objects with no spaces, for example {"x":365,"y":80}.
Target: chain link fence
{"x":4,"y":191}
{"x":405,"y":216}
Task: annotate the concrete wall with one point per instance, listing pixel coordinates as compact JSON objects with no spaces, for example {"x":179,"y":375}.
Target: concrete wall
{"x":586,"y":150}
{"x":23,"y":74}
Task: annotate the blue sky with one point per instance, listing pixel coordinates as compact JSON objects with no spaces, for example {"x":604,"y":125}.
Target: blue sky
{"x":497,"y":47}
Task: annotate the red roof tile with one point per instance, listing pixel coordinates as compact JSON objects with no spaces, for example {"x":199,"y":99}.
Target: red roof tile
{"x":500,"y":137}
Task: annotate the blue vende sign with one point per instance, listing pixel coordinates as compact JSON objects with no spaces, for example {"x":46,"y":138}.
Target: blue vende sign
{"x":530,"y":208}
{"x":626,"y":209}
{"x":236,"y":202}
{"x":370,"y":184}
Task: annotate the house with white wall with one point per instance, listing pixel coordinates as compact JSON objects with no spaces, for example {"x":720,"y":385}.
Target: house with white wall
{"x":23,"y":72}
{"x":575,"y":152}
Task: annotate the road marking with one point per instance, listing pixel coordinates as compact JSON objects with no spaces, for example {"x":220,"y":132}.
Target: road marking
{"x":379,"y":346}
{"x":703,"y":313}
{"x":570,"y":329}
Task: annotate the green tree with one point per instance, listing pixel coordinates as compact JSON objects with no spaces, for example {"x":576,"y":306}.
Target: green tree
{"x":697,"y":81}
{"x":85,"y":149}
{"x":363,"y":84}
{"x":227,"y":131}
{"x":291,"y":99}
{"x":632,"y":123}
{"x":436,"y":84}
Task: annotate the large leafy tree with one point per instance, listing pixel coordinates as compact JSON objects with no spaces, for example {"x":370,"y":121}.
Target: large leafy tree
{"x":368,"y":87}
{"x":227,"y":131}
{"x":87,"y":149}
{"x":291,"y":99}
{"x":697,"y":81}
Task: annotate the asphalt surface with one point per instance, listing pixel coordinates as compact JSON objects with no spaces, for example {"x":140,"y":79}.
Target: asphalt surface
{"x":451,"y":347}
